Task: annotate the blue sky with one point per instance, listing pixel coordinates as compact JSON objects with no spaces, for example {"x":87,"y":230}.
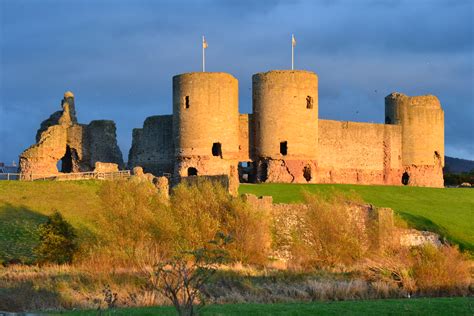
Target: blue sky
{"x":118,"y":57}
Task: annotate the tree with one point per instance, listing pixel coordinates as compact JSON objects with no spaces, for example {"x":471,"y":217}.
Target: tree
{"x":57,"y":240}
{"x":182,"y":278}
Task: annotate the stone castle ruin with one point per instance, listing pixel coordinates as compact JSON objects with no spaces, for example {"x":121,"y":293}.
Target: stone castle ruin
{"x":78,"y":147}
{"x":283,"y":140}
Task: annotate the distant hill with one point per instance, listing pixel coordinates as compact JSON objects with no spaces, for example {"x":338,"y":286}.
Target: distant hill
{"x":457,"y":165}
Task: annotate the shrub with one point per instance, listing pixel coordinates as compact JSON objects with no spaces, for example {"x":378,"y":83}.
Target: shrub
{"x":205,"y":208}
{"x":135,"y":223}
{"x":331,"y":233}
{"x":132,"y":220}
{"x":441,"y":270}
{"x":57,"y":240}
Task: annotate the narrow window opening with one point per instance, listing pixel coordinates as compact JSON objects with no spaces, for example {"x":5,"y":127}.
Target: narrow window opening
{"x":388,"y":120}
{"x":192,"y":171}
{"x":307,"y":173}
{"x":309,"y":102}
{"x":263,"y":175}
{"x":405,"y":178}
{"x":284,"y":148}
{"x":217,"y":150}
{"x":186,"y":102}
{"x":436,"y":154}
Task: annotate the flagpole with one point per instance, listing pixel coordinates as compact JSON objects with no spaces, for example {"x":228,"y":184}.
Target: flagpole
{"x":203,"y":55}
{"x":292,"y":52}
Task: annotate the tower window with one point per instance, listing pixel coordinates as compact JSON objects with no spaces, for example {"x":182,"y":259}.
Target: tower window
{"x":217,"y":150}
{"x":309,"y":102}
{"x":192,"y":171}
{"x":388,"y":120}
{"x":186,"y":102}
{"x":284,"y":148}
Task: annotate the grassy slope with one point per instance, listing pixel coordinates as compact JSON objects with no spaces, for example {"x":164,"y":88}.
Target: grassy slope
{"x":24,"y":205}
{"x":427,"y":306}
{"x":449,"y":212}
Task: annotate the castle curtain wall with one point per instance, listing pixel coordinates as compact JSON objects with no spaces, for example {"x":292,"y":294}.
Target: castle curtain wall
{"x":359,"y":153}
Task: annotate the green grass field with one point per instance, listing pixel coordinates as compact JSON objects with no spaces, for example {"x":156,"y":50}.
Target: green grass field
{"x":449,"y":212}
{"x":24,"y":205}
{"x":425,"y":306}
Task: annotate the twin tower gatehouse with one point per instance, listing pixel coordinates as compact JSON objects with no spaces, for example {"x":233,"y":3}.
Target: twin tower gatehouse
{"x":283,"y":139}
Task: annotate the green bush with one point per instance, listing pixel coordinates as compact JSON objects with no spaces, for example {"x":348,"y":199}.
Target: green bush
{"x":57,"y":240}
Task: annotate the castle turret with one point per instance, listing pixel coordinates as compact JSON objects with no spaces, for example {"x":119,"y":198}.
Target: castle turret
{"x":422,"y":122}
{"x":205,"y":123}
{"x":285,"y":107}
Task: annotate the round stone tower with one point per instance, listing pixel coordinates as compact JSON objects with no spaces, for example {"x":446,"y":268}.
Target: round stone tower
{"x":205,"y":123}
{"x":285,"y":107}
{"x":422,"y":122}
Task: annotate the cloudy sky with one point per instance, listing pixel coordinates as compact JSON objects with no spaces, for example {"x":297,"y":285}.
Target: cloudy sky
{"x":118,"y":57}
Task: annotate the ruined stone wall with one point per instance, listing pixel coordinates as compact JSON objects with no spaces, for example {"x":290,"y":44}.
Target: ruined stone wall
{"x":246,"y":137}
{"x":205,"y":124}
{"x":77,"y":146}
{"x":102,"y":142}
{"x":152,"y":146}
{"x":361,"y":153}
{"x":422,"y":121}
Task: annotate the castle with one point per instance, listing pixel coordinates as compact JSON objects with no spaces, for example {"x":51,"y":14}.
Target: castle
{"x":282,"y":140}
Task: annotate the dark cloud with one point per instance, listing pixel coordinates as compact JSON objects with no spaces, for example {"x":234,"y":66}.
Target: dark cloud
{"x":118,"y":57}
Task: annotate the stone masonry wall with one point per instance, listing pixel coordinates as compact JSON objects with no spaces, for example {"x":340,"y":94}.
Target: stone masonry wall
{"x":359,"y":153}
{"x":77,"y":146}
{"x":152,"y":146}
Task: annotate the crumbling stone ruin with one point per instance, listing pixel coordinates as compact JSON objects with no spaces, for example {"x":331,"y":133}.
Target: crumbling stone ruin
{"x":284,"y":140}
{"x":79,"y":147}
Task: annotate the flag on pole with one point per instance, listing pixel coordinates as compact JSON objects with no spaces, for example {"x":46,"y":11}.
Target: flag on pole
{"x":204,"y":43}
{"x":293,"y":40}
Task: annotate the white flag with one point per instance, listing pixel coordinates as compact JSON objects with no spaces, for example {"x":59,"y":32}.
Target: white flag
{"x":293,"y":41}
{"x":204,"y":43}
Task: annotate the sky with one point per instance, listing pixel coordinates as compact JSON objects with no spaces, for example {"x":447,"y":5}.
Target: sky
{"x":119,"y":57}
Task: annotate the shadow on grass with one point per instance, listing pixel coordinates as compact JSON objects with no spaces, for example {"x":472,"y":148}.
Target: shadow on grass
{"x":18,"y":233}
{"x":423,"y":223}
{"x":26,"y":296}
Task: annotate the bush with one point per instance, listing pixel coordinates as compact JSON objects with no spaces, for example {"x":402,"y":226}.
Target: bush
{"x":331,"y":232}
{"x":441,"y":271}
{"x":137,"y":224}
{"x":205,"y":208}
{"x":57,"y":240}
{"x":132,"y":220}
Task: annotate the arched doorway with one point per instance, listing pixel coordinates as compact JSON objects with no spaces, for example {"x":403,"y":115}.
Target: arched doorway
{"x":405,"y":178}
{"x":192,"y":171}
{"x":66,"y":162}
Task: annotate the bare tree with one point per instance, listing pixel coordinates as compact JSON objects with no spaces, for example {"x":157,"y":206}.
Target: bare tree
{"x":182,"y":278}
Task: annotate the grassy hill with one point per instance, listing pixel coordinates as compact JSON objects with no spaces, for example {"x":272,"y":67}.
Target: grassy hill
{"x":24,"y":205}
{"x":449,"y":212}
